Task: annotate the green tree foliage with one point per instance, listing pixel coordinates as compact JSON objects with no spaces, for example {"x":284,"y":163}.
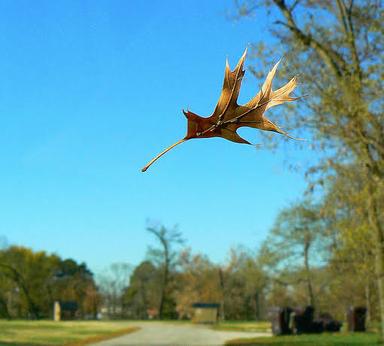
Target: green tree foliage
{"x":295,"y":244}
{"x":142,"y":294}
{"x":244,"y":286}
{"x":322,"y":255}
{"x":198,"y":281}
{"x":337,"y":241}
{"x":353,"y":243}
{"x":31,"y":281}
{"x":239,"y":286}
{"x":75,"y":282}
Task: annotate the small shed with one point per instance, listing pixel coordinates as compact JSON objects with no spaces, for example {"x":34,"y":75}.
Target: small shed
{"x":65,"y":310}
{"x":69,"y":309}
{"x":205,"y":312}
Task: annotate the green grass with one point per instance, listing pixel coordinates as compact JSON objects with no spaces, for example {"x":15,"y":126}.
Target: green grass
{"x":73,"y":333}
{"x":325,"y":339}
{"x":245,"y":326}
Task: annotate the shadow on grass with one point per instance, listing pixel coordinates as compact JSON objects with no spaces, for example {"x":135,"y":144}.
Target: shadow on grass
{"x":83,"y":342}
{"x":20,"y":344}
{"x":363,"y":339}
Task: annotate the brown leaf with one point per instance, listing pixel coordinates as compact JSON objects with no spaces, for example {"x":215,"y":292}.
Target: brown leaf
{"x":228,"y":115}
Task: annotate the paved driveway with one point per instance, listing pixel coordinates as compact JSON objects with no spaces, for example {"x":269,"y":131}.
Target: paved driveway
{"x":167,"y":333}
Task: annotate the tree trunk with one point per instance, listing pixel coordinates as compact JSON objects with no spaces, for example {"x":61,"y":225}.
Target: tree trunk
{"x":222,"y":305}
{"x":379,"y":258}
{"x":380,"y":285}
{"x":162,"y":294}
{"x":257,"y":307}
{"x":311,"y":296}
{"x":373,"y":217}
{"x":4,"y":312}
{"x":164,"y":283}
{"x":368,"y":302}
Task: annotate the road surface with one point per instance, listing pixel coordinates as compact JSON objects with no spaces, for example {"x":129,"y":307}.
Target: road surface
{"x":180,"y":334}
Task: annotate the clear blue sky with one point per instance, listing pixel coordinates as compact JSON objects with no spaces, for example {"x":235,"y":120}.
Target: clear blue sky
{"x":90,"y":91}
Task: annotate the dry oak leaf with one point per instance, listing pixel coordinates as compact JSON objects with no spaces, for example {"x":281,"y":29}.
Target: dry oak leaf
{"x":228,"y":116}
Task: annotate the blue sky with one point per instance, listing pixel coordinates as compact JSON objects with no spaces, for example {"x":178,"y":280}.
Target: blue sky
{"x":90,"y":91}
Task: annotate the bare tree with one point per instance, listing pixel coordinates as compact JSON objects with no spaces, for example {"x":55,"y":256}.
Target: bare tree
{"x":165,"y":256}
{"x":113,"y":282}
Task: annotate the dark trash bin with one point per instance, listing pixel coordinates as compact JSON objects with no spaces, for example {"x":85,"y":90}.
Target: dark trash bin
{"x":69,"y":309}
{"x":287,"y":321}
{"x":280,"y":319}
{"x":329,"y":324}
{"x":303,"y":321}
{"x":356,"y":317}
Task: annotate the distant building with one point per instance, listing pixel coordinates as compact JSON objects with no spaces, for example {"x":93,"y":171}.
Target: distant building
{"x":205,"y":312}
{"x":69,"y":310}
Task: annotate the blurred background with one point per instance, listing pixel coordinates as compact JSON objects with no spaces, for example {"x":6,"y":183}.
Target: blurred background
{"x":92,"y":90}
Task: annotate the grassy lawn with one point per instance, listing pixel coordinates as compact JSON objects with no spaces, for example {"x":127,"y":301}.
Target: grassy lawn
{"x":326,"y":339}
{"x":245,"y":326}
{"x":73,"y":333}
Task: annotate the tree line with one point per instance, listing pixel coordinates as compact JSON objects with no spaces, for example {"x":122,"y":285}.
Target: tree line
{"x":30,"y":282}
{"x":313,"y":255}
{"x":171,"y":278}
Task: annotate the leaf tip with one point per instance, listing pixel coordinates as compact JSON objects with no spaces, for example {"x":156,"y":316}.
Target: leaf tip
{"x":276,"y":65}
{"x":227,"y":64}
{"x":294,"y":138}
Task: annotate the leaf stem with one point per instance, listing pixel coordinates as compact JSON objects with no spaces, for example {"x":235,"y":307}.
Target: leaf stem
{"x":161,"y":154}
